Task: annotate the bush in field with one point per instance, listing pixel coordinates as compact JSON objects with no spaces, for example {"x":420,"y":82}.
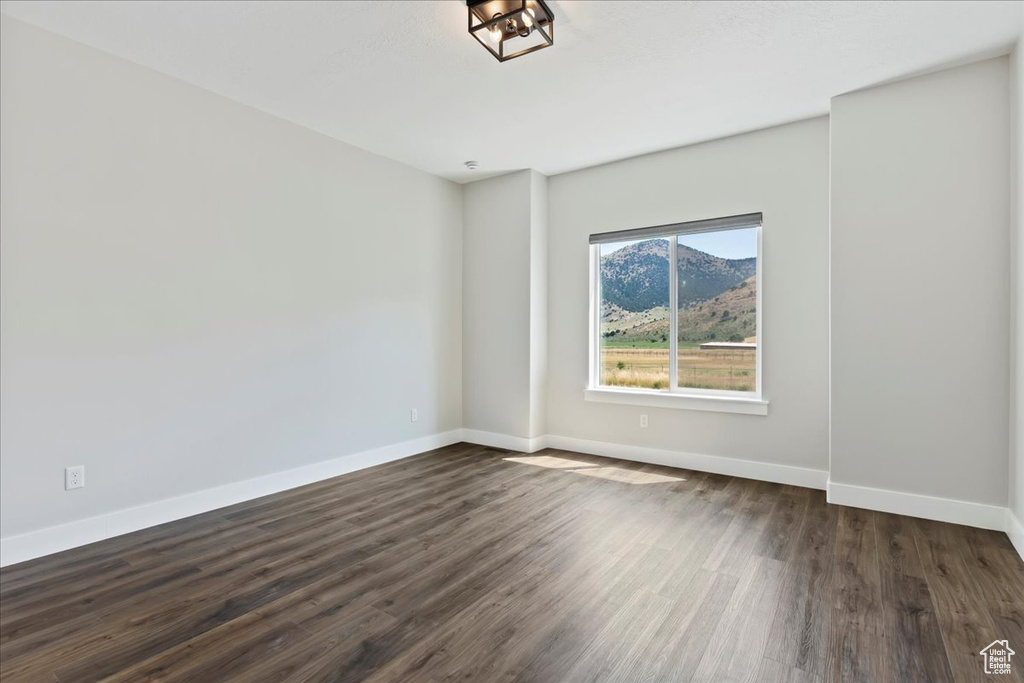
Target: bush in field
{"x":620,"y":365}
{"x":656,"y":385}
{"x":736,"y":337}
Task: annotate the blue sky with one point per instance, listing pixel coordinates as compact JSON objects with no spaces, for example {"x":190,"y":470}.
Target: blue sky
{"x":730,"y":244}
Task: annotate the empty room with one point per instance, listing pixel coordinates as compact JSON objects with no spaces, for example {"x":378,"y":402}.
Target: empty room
{"x":418,"y":341}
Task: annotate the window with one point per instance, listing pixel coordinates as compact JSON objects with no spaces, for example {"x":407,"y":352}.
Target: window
{"x":676,"y":309}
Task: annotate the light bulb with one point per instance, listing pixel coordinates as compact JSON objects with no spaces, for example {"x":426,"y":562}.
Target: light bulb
{"x":495,"y":31}
{"x":528,"y":16}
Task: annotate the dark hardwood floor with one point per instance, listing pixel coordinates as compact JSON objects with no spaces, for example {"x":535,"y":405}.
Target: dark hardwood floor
{"x":475,"y":564}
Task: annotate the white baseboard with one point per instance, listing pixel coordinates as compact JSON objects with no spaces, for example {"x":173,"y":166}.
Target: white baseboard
{"x":1015,"y":530}
{"x":747,"y":469}
{"x":915,"y":505}
{"x":34,"y":544}
{"x":27,"y":546}
{"x":511,"y":443}
{"x":734,"y":467}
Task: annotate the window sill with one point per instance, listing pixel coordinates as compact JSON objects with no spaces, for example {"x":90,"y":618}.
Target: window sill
{"x":718,"y":404}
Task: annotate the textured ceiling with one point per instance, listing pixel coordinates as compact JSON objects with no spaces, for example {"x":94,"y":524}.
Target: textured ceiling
{"x":405,"y":79}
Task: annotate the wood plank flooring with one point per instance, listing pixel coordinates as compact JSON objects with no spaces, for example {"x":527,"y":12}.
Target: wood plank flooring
{"x":476,"y":564}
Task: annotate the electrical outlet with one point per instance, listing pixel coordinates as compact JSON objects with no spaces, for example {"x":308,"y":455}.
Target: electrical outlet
{"x":414,"y":415}
{"x":74,"y":477}
{"x":643,"y":420}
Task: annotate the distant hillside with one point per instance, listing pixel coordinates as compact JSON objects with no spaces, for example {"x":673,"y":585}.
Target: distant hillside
{"x":635,"y":278}
{"x":728,"y":316}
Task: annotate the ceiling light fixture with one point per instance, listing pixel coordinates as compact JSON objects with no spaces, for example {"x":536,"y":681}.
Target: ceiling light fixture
{"x":511,"y":28}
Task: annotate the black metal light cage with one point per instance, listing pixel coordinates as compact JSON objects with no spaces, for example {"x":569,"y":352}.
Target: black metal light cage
{"x":507,"y":16}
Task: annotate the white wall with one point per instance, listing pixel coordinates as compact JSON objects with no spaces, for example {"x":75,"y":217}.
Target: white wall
{"x":1017,"y":294}
{"x":782,"y":172}
{"x":505,"y":302}
{"x":538,"y":304}
{"x":920,"y":285}
{"x":194,"y":292}
{"x":496,"y":305}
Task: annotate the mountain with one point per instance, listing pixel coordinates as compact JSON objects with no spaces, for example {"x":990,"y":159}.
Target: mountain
{"x":729,"y":316}
{"x":635,"y":277}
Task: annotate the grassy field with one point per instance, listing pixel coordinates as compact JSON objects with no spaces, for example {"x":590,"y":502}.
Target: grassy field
{"x":646,"y":365}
